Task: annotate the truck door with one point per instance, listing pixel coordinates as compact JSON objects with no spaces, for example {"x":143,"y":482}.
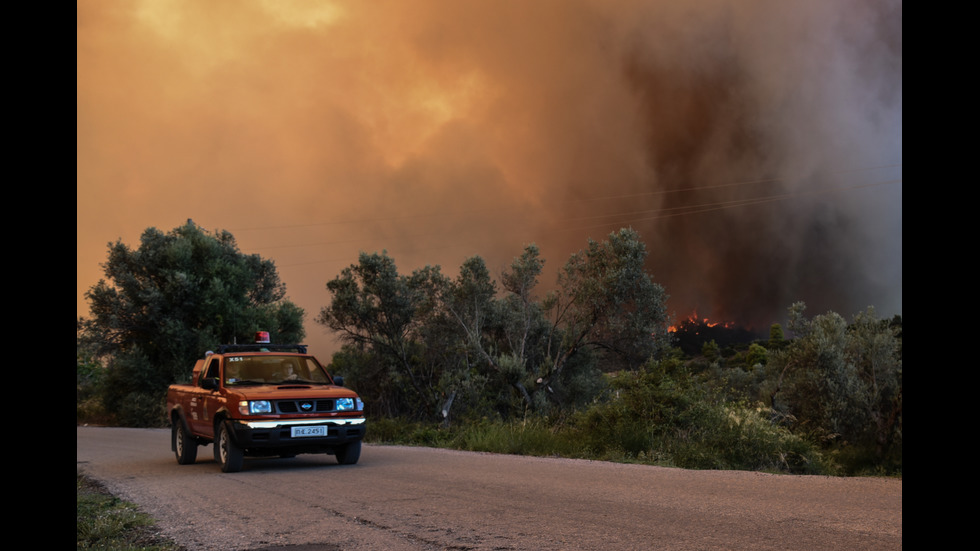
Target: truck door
{"x":200,"y":420}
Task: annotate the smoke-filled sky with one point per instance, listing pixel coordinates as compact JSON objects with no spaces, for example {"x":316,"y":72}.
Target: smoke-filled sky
{"x":755,"y":145}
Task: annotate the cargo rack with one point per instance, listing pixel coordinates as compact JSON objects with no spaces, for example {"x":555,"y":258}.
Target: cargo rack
{"x":261,"y":347}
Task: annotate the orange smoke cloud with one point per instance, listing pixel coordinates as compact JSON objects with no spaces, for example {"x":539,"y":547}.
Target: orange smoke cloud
{"x":441,"y":130}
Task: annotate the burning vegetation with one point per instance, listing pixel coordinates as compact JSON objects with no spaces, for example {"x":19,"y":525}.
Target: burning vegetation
{"x":691,"y":333}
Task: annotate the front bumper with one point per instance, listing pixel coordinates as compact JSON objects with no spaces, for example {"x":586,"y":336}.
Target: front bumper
{"x":274,"y":436}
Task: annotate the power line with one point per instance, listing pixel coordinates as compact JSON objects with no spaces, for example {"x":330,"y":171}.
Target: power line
{"x":618,"y":218}
{"x":430,"y":215}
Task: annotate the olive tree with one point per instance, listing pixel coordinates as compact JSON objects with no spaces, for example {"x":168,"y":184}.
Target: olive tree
{"x":162,"y":304}
{"x":606,"y":301}
{"x":606,"y":311}
{"x":440,"y":338}
{"x":842,"y":381}
{"x":383,"y":316}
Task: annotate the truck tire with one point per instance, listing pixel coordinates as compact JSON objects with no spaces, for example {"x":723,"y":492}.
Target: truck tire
{"x":226,"y":451}
{"x":185,"y":448}
{"x":349,"y":453}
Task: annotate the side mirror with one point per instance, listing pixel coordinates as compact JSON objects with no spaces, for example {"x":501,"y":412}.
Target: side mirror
{"x":209,"y":384}
{"x":338,"y":380}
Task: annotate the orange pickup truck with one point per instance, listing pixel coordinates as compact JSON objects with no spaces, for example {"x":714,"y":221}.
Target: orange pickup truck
{"x":264,"y":400}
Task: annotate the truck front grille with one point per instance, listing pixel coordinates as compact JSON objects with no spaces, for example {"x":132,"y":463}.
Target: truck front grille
{"x":305,"y":406}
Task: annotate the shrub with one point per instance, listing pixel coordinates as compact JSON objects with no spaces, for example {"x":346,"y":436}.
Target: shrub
{"x":143,"y":410}
{"x":664,"y":415}
{"x":91,"y":411}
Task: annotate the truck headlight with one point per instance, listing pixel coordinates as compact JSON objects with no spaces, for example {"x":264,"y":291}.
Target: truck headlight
{"x":254,"y":407}
{"x":349,"y":404}
{"x":345,"y":404}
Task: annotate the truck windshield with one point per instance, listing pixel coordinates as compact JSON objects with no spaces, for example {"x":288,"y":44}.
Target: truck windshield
{"x":272,"y":369}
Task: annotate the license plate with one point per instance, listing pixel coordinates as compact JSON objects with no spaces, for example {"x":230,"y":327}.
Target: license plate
{"x":302,"y":432}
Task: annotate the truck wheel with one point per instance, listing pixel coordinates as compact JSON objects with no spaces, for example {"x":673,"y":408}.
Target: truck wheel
{"x":228,"y":454}
{"x":185,"y":448}
{"x":349,"y":454}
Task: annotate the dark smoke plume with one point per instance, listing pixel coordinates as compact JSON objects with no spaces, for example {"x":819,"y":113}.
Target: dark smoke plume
{"x":773,"y":136}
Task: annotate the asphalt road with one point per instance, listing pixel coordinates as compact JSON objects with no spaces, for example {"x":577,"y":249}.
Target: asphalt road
{"x":404,"y":498}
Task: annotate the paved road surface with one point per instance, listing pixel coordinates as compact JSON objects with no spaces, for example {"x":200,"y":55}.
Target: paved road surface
{"x":412,"y":499}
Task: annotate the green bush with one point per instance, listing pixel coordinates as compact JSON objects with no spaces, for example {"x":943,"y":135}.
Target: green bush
{"x":611,"y":432}
{"x":143,"y":410}
{"x":864,"y":460}
{"x":89,"y":387}
{"x":664,"y":415}
{"x":91,"y":411}
{"x":743,"y":437}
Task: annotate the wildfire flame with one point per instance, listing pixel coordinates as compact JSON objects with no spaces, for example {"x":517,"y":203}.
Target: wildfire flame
{"x":693,"y":319}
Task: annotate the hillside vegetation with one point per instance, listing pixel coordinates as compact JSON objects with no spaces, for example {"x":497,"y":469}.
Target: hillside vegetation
{"x":593,"y":368}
